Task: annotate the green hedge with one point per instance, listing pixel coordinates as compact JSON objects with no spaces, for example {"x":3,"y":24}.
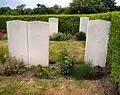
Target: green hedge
{"x":67,"y":23}
{"x":114,"y":48}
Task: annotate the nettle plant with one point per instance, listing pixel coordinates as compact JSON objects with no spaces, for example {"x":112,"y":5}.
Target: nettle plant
{"x":66,"y":62}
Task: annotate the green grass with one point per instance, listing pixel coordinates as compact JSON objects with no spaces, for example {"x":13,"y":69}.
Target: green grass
{"x":75,"y":48}
{"x":3,"y":43}
{"x":7,"y":85}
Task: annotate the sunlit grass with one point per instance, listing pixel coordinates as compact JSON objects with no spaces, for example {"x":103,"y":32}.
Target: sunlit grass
{"x":75,"y":48}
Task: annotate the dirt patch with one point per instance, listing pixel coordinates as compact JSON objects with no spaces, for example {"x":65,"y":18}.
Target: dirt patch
{"x":108,"y":85}
{"x":28,"y":74}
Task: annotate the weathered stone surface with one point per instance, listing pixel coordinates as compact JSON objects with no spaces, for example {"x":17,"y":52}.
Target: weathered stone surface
{"x":97,"y":42}
{"x":83,"y":24}
{"x":38,"y":39}
{"x":29,"y":41}
{"x":17,"y":40}
{"x":53,"y":25}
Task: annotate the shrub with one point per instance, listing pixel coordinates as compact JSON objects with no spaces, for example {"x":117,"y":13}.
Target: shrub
{"x":81,"y":71}
{"x":86,"y":71}
{"x":50,"y":72}
{"x":80,"y":36}
{"x":66,"y":62}
{"x":3,"y":54}
{"x":63,"y":53}
{"x":66,"y":65}
{"x":54,"y":71}
{"x":4,"y":37}
{"x":40,"y":72}
{"x":60,"y":37}
{"x":98,"y":72}
{"x":12,"y":67}
{"x":3,"y":34}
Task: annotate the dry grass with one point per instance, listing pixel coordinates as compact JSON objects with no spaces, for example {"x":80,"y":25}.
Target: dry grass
{"x":16,"y":86}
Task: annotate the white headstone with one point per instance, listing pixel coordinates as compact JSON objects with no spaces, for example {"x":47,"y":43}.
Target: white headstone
{"x":53,"y":26}
{"x":83,"y":24}
{"x":38,"y":39}
{"x":29,"y":41}
{"x":17,"y":40}
{"x":97,"y":42}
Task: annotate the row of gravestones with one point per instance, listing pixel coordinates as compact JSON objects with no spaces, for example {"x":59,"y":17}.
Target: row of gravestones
{"x":29,"y":41}
{"x":97,"y":37}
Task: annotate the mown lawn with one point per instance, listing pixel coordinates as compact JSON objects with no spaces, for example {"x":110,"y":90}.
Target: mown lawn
{"x":3,"y":43}
{"x":75,"y":48}
{"x":22,"y":86}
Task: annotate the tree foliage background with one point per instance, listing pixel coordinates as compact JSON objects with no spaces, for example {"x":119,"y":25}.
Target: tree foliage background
{"x":75,"y":7}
